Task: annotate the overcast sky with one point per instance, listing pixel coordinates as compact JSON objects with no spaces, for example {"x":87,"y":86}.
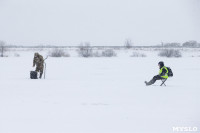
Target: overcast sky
{"x":100,"y":22}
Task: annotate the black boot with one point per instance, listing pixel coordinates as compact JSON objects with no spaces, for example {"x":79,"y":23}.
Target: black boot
{"x":40,"y":75}
{"x":150,"y":82}
{"x":147,"y":83}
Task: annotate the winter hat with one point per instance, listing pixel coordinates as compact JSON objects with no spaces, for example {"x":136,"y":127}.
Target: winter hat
{"x":161,"y":63}
{"x":36,"y":54}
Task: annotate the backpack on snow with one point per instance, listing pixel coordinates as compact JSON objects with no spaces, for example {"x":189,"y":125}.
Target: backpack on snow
{"x":170,"y":73}
{"x":33,"y":74}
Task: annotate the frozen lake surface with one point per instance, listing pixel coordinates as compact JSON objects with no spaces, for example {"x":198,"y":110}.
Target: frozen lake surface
{"x":98,"y":95}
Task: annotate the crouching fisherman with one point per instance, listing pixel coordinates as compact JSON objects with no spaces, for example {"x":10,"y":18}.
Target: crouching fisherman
{"x":39,"y":62}
{"x":163,"y":74}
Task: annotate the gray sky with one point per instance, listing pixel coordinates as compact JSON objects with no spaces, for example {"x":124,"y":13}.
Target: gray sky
{"x":100,"y":22}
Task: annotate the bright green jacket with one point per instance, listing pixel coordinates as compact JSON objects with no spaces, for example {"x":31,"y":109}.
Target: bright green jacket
{"x":163,"y":75}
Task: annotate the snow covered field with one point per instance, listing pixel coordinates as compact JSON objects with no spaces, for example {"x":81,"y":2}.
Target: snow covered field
{"x":98,"y":95}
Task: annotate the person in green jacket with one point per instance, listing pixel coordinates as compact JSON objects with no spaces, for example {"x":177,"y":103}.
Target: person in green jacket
{"x":163,"y":74}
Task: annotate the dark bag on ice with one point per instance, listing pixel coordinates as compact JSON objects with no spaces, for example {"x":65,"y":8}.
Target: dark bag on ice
{"x":33,"y":75}
{"x":170,"y":73}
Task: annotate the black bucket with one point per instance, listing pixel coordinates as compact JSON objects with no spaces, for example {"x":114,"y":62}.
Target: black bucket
{"x":33,"y":75}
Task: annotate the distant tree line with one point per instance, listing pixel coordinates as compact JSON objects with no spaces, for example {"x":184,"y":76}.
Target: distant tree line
{"x":128,"y":44}
{"x":188,"y":44}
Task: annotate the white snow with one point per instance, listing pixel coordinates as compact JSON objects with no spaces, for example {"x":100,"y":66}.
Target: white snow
{"x":98,"y":95}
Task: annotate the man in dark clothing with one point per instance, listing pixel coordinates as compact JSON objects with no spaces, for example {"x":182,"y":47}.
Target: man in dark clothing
{"x":163,"y":74}
{"x":38,"y":61}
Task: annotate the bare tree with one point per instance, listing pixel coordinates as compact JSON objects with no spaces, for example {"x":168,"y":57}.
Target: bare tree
{"x":191,"y":44}
{"x":58,"y":53}
{"x":109,"y":53}
{"x":128,"y":44}
{"x":2,"y":48}
{"x":85,"y":50}
{"x":170,"y":53}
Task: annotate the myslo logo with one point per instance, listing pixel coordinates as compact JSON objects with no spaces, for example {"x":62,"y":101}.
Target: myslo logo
{"x":185,"y":129}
